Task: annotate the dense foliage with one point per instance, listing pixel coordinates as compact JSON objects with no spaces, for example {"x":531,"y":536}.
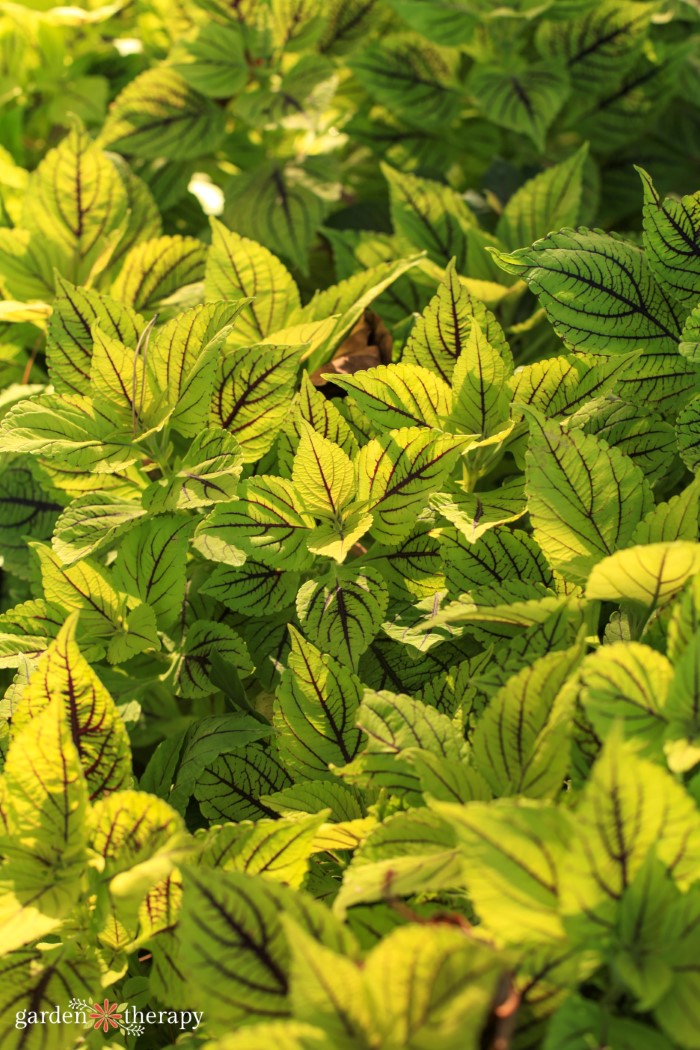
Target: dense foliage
{"x":349,"y":517}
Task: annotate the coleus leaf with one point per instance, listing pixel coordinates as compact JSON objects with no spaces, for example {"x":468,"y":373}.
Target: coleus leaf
{"x":252,"y":392}
{"x":279,"y":850}
{"x":205,"y":638}
{"x":78,"y":200}
{"x":415,"y":80}
{"x":525,"y":101}
{"x":236,"y":785}
{"x":207,"y":473}
{"x":159,"y":115}
{"x":320,"y":413}
{"x":315,"y":710}
{"x":253,"y":588}
{"x":238,"y":268}
{"x":69,"y":339}
{"x":585,"y":498}
{"x":441,"y":333}
{"x":156,"y":269}
{"x":599,"y":292}
{"x":498,"y":555}
{"x":150,"y":565}
{"x":344,"y":612}
{"x":90,"y":523}
{"x":399,"y":395}
{"x":650,"y":575}
{"x":397,"y":474}
{"x":480,"y":386}
{"x":97,"y":730}
{"x":546,"y":202}
{"x":671,"y":242}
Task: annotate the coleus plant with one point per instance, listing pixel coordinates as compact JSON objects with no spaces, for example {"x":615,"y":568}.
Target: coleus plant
{"x":353,"y":707}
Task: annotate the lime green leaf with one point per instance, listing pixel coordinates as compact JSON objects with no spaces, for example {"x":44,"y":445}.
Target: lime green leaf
{"x":315,"y":711}
{"x":599,"y":292}
{"x":445,"y":22}
{"x":159,"y":115}
{"x":547,"y":202}
{"x":90,"y":523}
{"x":264,"y":523}
{"x":599,"y":47}
{"x":430,"y":986}
{"x":651,"y":575}
{"x":279,"y":850}
{"x":688,"y":433}
{"x":475,"y":513}
{"x":96,"y":727}
{"x":675,"y":520}
{"x":520,"y":745}
{"x":585,"y":499}
{"x":513,"y":858}
{"x":398,"y":473}
{"x":238,"y":268}
{"x":252,"y":393}
{"x":77,"y":200}
{"x":441,"y":333}
{"x":343,"y":613}
{"x":526,"y":102}
{"x":181,"y":361}
{"x":413,"y":569}
{"x":480,"y":386}
{"x":413,"y":79}
{"x":580,"y":1023}
{"x":630,"y":682}
{"x":254,"y":588}
{"x":313,"y":408}
{"x":323,"y":476}
{"x":27,"y":629}
{"x":69,"y":338}
{"x":45,"y":811}
{"x":230,"y":930}
{"x":689,"y":345}
{"x":394,"y":723}
{"x":394,"y":396}
{"x":69,"y":428}
{"x":236,"y":785}
{"x":641,"y":434}
{"x":671,"y":242}
{"x":430,"y":216}
{"x":150,"y":565}
{"x":682,"y":745}
{"x":498,"y":555}
{"x":207,"y":473}
{"x":214,"y":62}
{"x":205,"y":638}
{"x":156,"y":269}
{"x":628,"y":807}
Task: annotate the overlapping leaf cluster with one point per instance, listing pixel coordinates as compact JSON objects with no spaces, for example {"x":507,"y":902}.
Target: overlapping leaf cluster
{"x":350,"y":615}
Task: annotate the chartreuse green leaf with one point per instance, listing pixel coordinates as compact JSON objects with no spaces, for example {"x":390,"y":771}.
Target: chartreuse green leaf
{"x":441,"y":333}
{"x":585,"y":499}
{"x":27,"y":629}
{"x":231,"y":931}
{"x":639,"y":433}
{"x":525,"y":101}
{"x":547,"y":202}
{"x":392,"y":396}
{"x":315,"y":711}
{"x":397,"y":474}
{"x":181,"y":362}
{"x":158,"y":268}
{"x":671,"y":242}
{"x":206,"y":638}
{"x":430,"y":215}
{"x":411,"y":78}
{"x":207,"y":473}
{"x":238,"y":268}
{"x":688,"y":434}
{"x":629,"y":807}
{"x":344,"y":612}
{"x":675,"y":520}
{"x":320,"y":413}
{"x":514,"y":854}
{"x":480,"y":386}
{"x":498,"y":555}
{"x":119,"y":387}
{"x":265,"y":523}
{"x":276,"y":849}
{"x":44,"y":838}
{"x":159,"y":115}
{"x":324,"y":482}
{"x":213,"y":63}
{"x":650,"y":575}
{"x":254,"y":588}
{"x":251,"y":396}
{"x":69,"y":339}
{"x":410,"y":853}
{"x":235,"y":786}
{"x":447,"y":22}
{"x":689,"y":345}
{"x":77,"y":201}
{"x":97,"y":730}
{"x":599,"y":292}
{"x":600,"y":46}
{"x":72,"y":430}
{"x":520,"y":745}
{"x":629,"y":682}
{"x":682,"y":739}
{"x":476,"y":513}
{"x":580,"y":1023}
{"x":150,"y":565}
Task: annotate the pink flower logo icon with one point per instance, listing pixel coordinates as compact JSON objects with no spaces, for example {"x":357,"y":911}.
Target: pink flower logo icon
{"x":106,"y":1016}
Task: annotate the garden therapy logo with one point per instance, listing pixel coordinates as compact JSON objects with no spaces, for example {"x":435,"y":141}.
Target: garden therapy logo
{"x":109,"y":1017}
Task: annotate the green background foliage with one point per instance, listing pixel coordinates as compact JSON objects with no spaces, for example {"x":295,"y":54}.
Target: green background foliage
{"x":350,"y":522}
